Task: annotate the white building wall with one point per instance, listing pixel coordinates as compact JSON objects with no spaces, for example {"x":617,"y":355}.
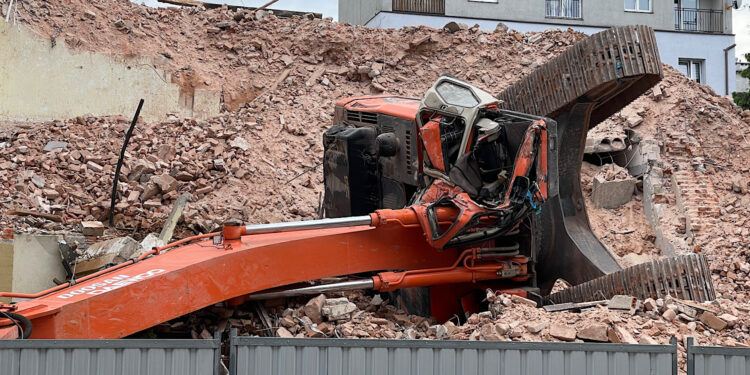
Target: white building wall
{"x":673,"y":45}
{"x":743,"y":84}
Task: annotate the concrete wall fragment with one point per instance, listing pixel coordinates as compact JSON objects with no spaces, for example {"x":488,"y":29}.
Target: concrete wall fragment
{"x":41,"y":81}
{"x":36,"y":262}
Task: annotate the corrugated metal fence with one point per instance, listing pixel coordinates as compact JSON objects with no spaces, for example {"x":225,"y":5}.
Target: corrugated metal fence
{"x":110,"y":357}
{"x":251,"y":356}
{"x":716,"y":360}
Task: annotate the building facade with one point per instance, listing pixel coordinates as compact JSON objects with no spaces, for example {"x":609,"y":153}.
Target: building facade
{"x":694,"y":36}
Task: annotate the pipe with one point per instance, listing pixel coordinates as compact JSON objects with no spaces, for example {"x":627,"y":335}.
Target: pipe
{"x":726,"y":69}
{"x":308,"y":224}
{"x":119,"y":163}
{"x":388,"y":281}
{"x":264,"y":6}
{"x":316,"y":289}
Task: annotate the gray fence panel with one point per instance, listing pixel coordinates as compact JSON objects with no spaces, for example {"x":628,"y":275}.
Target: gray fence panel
{"x":110,"y":357}
{"x":717,"y":360}
{"x":261,"y":356}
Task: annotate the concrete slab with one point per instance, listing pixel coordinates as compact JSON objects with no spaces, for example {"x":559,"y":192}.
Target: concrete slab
{"x":612,"y":194}
{"x":6,"y":268}
{"x":36,"y":261}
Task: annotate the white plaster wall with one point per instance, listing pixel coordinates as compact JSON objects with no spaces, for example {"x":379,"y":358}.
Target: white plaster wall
{"x":673,"y":45}
{"x":743,"y":84}
{"x":41,"y":82}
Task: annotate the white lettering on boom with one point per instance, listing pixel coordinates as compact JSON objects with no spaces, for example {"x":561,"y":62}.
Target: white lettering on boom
{"x":112,"y":283}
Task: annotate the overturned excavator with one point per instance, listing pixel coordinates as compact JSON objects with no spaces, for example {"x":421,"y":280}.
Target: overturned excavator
{"x":433,"y":200}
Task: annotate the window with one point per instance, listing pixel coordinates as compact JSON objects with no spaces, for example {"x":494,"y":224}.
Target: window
{"x":693,"y":69}
{"x":563,"y":9}
{"x":638,"y":5}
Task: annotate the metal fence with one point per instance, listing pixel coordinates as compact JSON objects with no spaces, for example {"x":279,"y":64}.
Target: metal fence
{"x":419,"y":6}
{"x":716,"y":360}
{"x":110,"y":357}
{"x":699,"y":20}
{"x":563,"y":9}
{"x":251,"y":356}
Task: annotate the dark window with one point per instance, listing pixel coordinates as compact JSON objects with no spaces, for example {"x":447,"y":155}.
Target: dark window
{"x":692,"y":68}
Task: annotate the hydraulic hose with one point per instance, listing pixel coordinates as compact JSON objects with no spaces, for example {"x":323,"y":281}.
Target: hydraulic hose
{"x":25,"y":324}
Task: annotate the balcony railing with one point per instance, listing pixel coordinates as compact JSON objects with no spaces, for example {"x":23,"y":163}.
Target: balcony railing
{"x":419,"y":6}
{"x":563,"y":9}
{"x":699,"y":20}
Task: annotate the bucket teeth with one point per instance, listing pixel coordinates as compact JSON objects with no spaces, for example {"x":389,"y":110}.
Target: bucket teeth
{"x":687,"y":277}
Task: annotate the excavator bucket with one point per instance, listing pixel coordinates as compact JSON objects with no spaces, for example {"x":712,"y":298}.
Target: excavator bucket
{"x":580,"y":88}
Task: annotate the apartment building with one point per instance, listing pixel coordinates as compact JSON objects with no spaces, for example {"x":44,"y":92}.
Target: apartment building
{"x":694,"y":36}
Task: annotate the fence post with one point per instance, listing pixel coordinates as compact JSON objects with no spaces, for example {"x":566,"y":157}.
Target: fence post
{"x":233,"y":351}
{"x":217,"y":353}
{"x":690,"y":356}
{"x":673,"y":342}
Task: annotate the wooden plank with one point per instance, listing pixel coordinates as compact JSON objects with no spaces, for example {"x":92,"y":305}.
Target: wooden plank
{"x":190,"y":3}
{"x":174,"y":217}
{"x":21,"y":212}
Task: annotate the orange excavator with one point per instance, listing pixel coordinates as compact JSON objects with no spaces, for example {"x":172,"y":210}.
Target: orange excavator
{"x":432,"y":200}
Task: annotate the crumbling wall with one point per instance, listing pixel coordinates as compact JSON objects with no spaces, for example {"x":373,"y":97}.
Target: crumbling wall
{"x":41,"y":80}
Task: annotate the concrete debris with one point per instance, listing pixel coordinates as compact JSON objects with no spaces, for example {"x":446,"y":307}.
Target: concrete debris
{"x":536,"y":327}
{"x":562,"y":332}
{"x":594,"y":332}
{"x":151,"y":241}
{"x":314,"y":308}
{"x":620,"y":335}
{"x":626,"y":303}
{"x":104,"y":253}
{"x":613,"y":187}
{"x":54,"y":145}
{"x":453,"y":27}
{"x":712,"y":321}
{"x":525,"y":301}
{"x":338,"y":308}
{"x":647,"y":340}
{"x":92,"y":228}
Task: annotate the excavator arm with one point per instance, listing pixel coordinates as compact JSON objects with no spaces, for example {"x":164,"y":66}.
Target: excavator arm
{"x":175,"y":280}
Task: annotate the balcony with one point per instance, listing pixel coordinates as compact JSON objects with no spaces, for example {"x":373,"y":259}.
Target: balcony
{"x":419,"y":6}
{"x":699,"y":20}
{"x":569,"y":9}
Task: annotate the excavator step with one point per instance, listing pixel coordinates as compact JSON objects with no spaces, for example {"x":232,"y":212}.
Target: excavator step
{"x":687,"y":277}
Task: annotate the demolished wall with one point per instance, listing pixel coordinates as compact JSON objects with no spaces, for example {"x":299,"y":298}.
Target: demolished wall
{"x":43,"y":80}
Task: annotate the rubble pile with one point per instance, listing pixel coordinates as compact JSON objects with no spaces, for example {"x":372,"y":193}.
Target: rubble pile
{"x":622,"y":319}
{"x":705,"y":136}
{"x":67,"y":168}
{"x":279,"y":79}
{"x":260,"y":160}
